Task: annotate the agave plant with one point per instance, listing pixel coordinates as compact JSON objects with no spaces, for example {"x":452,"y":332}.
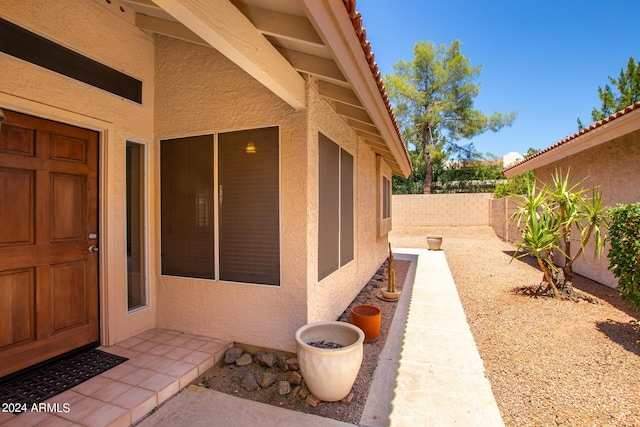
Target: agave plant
{"x":550,"y":218}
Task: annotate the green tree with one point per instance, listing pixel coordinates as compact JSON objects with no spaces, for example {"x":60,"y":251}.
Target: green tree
{"x":627,"y":92}
{"x":433,"y":97}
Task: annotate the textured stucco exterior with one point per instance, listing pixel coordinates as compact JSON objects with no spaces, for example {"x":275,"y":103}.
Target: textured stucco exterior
{"x":329,"y":298}
{"x":93,"y":31}
{"x":190,"y":90}
{"x":613,"y":167}
{"x":199,"y":91}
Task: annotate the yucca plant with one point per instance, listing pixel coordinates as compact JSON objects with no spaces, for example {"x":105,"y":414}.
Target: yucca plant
{"x":547,"y":217}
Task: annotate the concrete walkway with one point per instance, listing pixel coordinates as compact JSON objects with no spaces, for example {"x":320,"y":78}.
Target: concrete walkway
{"x":429,"y":373}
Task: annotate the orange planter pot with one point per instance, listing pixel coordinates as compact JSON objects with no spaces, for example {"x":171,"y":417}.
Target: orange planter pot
{"x":367,"y":318}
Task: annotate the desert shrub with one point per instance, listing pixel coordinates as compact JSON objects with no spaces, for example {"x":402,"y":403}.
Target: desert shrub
{"x":624,"y":256}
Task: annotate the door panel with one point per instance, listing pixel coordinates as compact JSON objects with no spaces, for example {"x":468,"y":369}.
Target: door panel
{"x":48,"y":208}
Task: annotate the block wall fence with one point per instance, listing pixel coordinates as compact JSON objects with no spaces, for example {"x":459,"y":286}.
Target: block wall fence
{"x":458,"y":209}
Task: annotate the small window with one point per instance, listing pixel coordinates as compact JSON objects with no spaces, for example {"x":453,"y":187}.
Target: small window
{"x":386,"y":198}
{"x":136,"y":226}
{"x":335,"y":216}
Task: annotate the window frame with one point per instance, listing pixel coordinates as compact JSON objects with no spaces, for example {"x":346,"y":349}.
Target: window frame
{"x":340,"y":261}
{"x":384,"y":173}
{"x":145,"y":205}
{"x":216,"y":208}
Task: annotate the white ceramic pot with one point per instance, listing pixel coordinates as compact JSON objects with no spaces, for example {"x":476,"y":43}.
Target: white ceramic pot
{"x":330,"y":373}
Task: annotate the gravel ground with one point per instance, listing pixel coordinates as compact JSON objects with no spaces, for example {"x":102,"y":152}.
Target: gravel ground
{"x":550,"y":362}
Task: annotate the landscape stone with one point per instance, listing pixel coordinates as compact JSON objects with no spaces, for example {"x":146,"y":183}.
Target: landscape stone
{"x":295,"y":378}
{"x":266,"y":379}
{"x":244,"y":360}
{"x":293,"y":364}
{"x":266,"y":359}
{"x":282,"y":363}
{"x":249,"y":382}
{"x":284,"y":387}
{"x":232,"y":355}
{"x":304,"y":390}
{"x":313,"y":401}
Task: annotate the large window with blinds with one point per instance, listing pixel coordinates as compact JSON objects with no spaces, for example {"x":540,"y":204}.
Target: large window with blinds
{"x":335,"y":207}
{"x":221,"y":206}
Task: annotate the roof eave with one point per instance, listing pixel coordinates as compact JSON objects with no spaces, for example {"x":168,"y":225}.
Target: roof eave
{"x":614,"y":126}
{"x":334,"y":26}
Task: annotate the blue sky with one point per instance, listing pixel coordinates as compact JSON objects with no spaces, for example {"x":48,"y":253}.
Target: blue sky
{"x":543,"y":59}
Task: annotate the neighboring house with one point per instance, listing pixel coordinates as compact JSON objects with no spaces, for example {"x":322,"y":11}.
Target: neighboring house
{"x":606,"y":155}
{"x":231,"y":160}
{"x":511,"y":158}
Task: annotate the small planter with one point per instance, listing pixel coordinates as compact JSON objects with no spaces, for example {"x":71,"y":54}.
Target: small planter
{"x":389,"y":296}
{"x":434,"y":242}
{"x":330,"y":372}
{"x":367,"y":318}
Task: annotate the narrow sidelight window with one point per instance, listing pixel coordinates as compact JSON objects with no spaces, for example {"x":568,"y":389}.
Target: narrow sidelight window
{"x":386,"y":198}
{"x":136,"y":226}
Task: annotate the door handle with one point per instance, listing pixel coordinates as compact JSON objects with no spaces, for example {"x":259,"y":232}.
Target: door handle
{"x":93,"y":248}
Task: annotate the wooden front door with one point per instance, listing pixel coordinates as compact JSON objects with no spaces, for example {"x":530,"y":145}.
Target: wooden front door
{"x":48,"y":222}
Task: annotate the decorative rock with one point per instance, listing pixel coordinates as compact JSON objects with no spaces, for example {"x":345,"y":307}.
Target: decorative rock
{"x":304,"y":390}
{"x":293,"y":364}
{"x":244,"y":360}
{"x":347,"y":400}
{"x":232,"y":355}
{"x":296,"y":391}
{"x":268,"y":360}
{"x":266,"y":379}
{"x":312,"y":400}
{"x":284,"y":388}
{"x":282,"y":363}
{"x":295,"y":378}
{"x":249,"y":382}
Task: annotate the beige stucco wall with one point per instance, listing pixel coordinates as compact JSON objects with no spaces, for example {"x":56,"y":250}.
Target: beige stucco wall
{"x":441,"y":209}
{"x":613,"y":167}
{"x":329,"y":298}
{"x":93,"y":31}
{"x":199,"y":91}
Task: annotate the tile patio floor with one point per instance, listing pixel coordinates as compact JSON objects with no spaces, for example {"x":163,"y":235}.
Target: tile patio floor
{"x":161,"y":362}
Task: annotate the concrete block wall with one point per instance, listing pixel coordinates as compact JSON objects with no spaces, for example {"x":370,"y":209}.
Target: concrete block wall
{"x":441,"y":209}
{"x":500,"y":210}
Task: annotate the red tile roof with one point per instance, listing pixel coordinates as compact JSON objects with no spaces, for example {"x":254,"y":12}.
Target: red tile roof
{"x":361,"y":32}
{"x":581,"y":132}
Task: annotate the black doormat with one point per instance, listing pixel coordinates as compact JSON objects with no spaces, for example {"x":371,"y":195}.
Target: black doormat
{"x":20,"y":393}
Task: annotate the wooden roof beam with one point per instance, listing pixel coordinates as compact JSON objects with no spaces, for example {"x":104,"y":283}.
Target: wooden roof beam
{"x":225,"y":28}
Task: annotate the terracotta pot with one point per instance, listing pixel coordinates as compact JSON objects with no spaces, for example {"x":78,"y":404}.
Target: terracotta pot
{"x":434,"y":242}
{"x":330,"y":372}
{"x":367,"y":318}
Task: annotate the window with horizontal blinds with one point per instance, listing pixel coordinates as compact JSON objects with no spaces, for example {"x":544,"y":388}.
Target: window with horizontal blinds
{"x":241,"y":217}
{"x":335,"y":207}
{"x":249,"y":206}
{"x":187,"y":226}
